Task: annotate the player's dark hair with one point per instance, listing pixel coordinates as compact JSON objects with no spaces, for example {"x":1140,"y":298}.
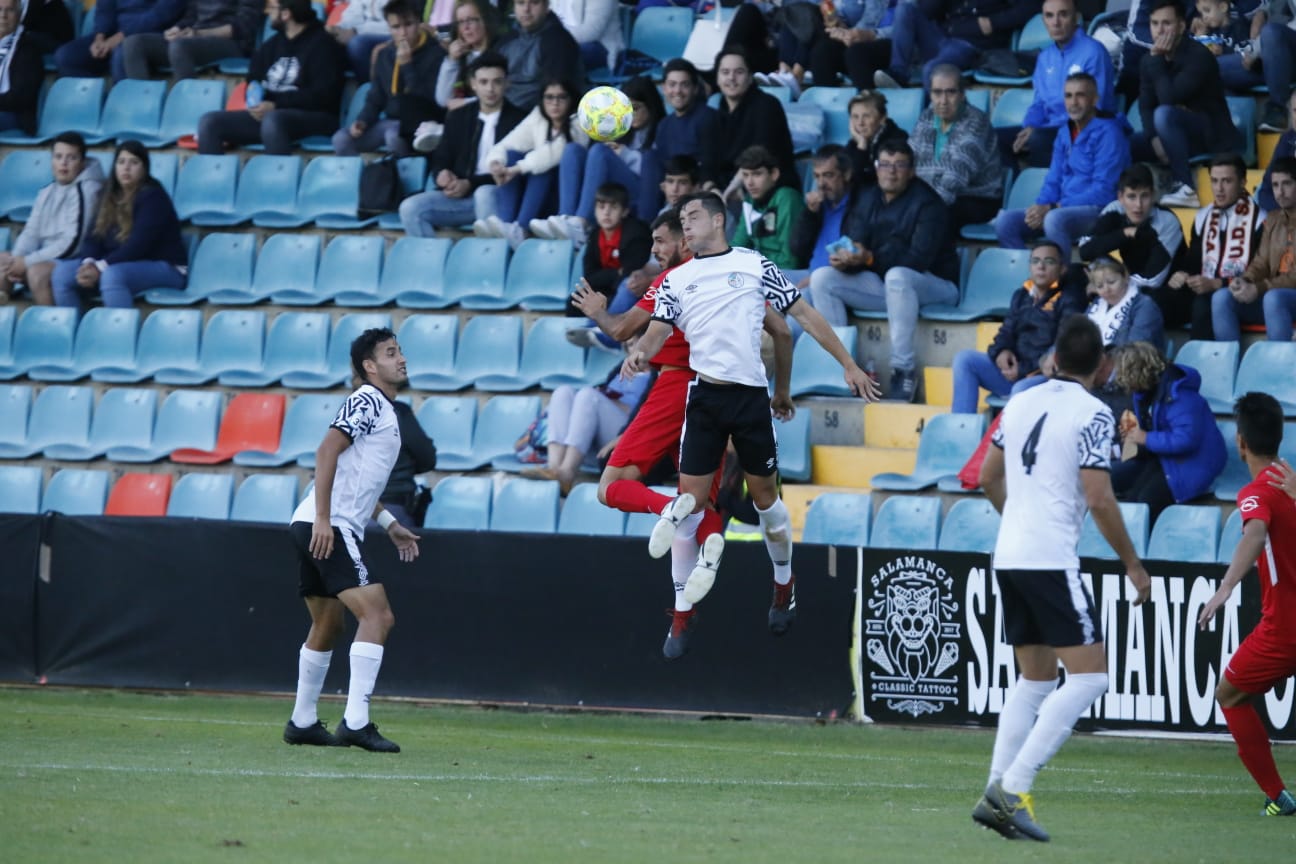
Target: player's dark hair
{"x":683,"y":164}
{"x":670,"y":221}
{"x":710,"y":201}
{"x":1283,"y":165}
{"x":1230,"y":160}
{"x":613,"y":193}
{"x":1136,"y":176}
{"x":72,"y":139}
{"x":756,"y":156}
{"x":363,"y":346}
{"x":1158,"y":5}
{"x":402,"y":10}
{"x":300,"y":11}
{"x":1259,"y":423}
{"x":1079,"y":346}
{"x":488,"y":60}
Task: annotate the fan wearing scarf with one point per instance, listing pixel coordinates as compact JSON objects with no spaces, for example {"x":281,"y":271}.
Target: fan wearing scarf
{"x":21,"y":72}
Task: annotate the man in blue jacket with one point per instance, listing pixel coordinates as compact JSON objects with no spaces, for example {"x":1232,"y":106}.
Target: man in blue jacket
{"x":92,"y":56}
{"x":1081,"y":179}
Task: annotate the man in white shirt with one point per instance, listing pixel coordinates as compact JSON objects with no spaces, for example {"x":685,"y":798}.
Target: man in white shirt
{"x":352,"y":465}
{"x":1050,"y":460}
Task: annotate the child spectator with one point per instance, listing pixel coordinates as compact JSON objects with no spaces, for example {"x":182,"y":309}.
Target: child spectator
{"x":135,"y":243}
{"x":209,"y":30}
{"x":619,"y":245}
{"x":21,"y":72}
{"x":681,"y":175}
{"x":768,"y":209}
{"x":1228,"y":37}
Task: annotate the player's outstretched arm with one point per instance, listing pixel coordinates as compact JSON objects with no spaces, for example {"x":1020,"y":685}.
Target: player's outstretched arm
{"x":645,"y":349}
{"x":1245,"y":555}
{"x":1107,"y":516}
{"x":620,"y":327}
{"x":405,"y":540}
{"x":776,"y":326}
{"x":821,"y":331}
{"x":991,"y":477}
{"x":326,"y":456}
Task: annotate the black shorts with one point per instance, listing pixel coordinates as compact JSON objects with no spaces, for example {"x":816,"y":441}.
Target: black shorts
{"x":718,"y":412}
{"x":344,"y":568}
{"x":1047,"y":607}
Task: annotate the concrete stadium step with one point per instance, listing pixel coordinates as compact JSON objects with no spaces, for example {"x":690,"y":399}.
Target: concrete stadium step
{"x":854,"y":467}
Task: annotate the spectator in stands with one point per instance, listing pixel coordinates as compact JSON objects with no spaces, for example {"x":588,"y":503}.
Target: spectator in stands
{"x":681,"y":176}
{"x":539,"y":48}
{"x":1180,"y":451}
{"x":596,"y":27}
{"x":585,"y":167}
{"x":748,"y":115}
{"x":465,"y":189}
{"x":403,"y":497}
{"x":768,"y":210}
{"x":59,"y":220}
{"x":362,"y":27}
{"x":1278,"y":40}
{"x":524,"y":164}
{"x":209,"y":30}
{"x":1229,"y":38}
{"x":135,"y":243}
{"x":1069,"y":50}
{"x":93,"y":56}
{"x":618,"y":245}
{"x":470,"y":35}
{"x":1123,"y":315}
{"x":690,"y":128}
{"x":47,"y":24}
{"x":949,"y":31}
{"x":1286,"y":147}
{"x":402,"y":95}
{"x":1266,"y":290}
{"x":957,"y":152}
{"x":1181,"y":103}
{"x":869,"y":127}
{"x":1081,"y":179}
{"x":299,"y":71}
{"x":21,"y":72}
{"x":823,"y":219}
{"x":902,"y":258}
{"x":858,"y":43}
{"x":1012,"y":361}
{"x":1225,"y":237}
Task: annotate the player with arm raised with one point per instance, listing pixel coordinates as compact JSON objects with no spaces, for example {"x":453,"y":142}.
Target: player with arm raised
{"x":352,"y":465}
{"x":1051,"y":458}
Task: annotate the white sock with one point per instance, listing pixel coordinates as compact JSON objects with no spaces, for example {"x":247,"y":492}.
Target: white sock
{"x":684,"y":554}
{"x":1015,"y":721}
{"x":1057,"y":717}
{"x":312,"y":666}
{"x":366,"y":659}
{"x":776,"y":526}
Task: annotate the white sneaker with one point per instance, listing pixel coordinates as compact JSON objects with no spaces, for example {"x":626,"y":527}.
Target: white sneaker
{"x":542,"y":228}
{"x":704,"y":573}
{"x":496,"y":225}
{"x":571,"y":227}
{"x":1182,"y":195}
{"x":512,"y":232}
{"x":884,"y":80}
{"x":427,"y":136}
{"x":788,"y":80}
{"x":659,"y":542}
{"x":482,"y":228}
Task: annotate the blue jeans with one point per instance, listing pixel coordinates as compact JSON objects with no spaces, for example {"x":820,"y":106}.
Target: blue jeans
{"x":1228,"y":315}
{"x":1061,"y":225}
{"x":425,"y":212}
{"x":118,"y":285}
{"x":359,"y":50}
{"x":1279,"y":307}
{"x":383,"y":133}
{"x":526,"y":196}
{"x":974,"y":369}
{"x":582,"y":171}
{"x":902,"y":294}
{"x":1184,"y":134}
{"x":1279,"y":65}
{"x":915,"y":38}
{"x":9,"y":120}
{"x":74,"y":60}
{"x":1237,"y":77}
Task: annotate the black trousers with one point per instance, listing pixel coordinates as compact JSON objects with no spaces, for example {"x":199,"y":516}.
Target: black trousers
{"x":276,"y":130}
{"x":1142,"y":479}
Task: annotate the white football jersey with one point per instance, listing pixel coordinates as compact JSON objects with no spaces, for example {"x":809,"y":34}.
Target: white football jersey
{"x":719,"y":303}
{"x":1048,"y":434}
{"x":369,"y":420}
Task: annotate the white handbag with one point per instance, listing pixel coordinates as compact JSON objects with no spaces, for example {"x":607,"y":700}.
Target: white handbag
{"x":707,"y":38}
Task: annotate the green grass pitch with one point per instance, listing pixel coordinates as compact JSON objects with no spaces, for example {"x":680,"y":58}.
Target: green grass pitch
{"x":116,"y":776}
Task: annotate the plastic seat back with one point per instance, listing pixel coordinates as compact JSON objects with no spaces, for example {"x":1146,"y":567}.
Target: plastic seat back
{"x":202,"y":496}
{"x":105,"y":337}
{"x":169,"y":337}
{"x":268,"y":187}
{"x":414,"y":274}
{"x":537,"y":275}
{"x":971,"y":525}
{"x":995,"y":275}
{"x":60,"y":415}
{"x":8,"y":322}
{"x":1217,"y":362}
{"x":450,"y":421}
{"x":547,"y":356}
{"x":1034,"y":35}
{"x":501,"y":422}
{"x":337,"y":363}
{"x":137,"y":494}
{"x":123,"y":418}
{"x":304,"y":426}
{"x":205,"y":189}
{"x":72,"y":105}
{"x":835,"y":103}
{"x":1184,"y":532}
{"x":815,"y":371}
{"x":1230,"y":537}
{"x":1093,"y":545}
{"x":223,"y":263}
{"x":526,"y":506}
{"x":904,"y":106}
{"x":1026,"y":187}
{"x":1257,"y":373}
{"x":44,"y":337}
{"x":430,"y":343}
{"x":20,"y":489}
{"x":76,"y":492}
{"x":662,"y":32}
{"x":185,"y":105}
{"x":330,"y":186}
{"x":234,"y":341}
{"x":298,"y":342}
{"x":133,"y":109}
{"x":490,"y":345}
{"x":15,"y":414}
{"x":22,"y":175}
{"x":946,"y":443}
{"x":265,"y":498}
{"x":188,"y":418}
{"x":460,"y":504}
{"x":583,"y":514}
{"x":475,"y":273}
{"x":252,"y":421}
{"x":285,"y":267}
{"x":351,"y":265}
{"x":838,"y":519}
{"x":1010,"y":110}
{"x":907,"y":522}
{"x":794,"y":447}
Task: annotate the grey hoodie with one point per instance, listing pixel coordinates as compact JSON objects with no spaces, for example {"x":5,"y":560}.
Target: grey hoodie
{"x":61,"y":217}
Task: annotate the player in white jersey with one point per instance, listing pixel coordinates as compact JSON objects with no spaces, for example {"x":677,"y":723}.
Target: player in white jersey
{"x":352,"y":465}
{"x":1051,"y":458}
{"x":718,"y":299}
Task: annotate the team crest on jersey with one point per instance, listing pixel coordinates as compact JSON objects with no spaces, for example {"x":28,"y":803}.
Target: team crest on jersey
{"x":912,"y":637}
{"x":735,"y":280}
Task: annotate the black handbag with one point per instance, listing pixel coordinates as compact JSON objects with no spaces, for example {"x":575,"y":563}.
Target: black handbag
{"x":380,"y":187}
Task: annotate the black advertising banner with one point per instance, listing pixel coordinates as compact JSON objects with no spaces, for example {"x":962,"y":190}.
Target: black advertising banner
{"x":930,"y":643}
{"x":20,"y":540}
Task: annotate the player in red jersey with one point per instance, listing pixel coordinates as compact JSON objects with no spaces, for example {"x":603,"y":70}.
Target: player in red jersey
{"x":654,"y":433}
{"x":1267,"y":655}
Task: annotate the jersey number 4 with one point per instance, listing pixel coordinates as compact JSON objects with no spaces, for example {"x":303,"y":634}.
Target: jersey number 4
{"x":1029,"y":449}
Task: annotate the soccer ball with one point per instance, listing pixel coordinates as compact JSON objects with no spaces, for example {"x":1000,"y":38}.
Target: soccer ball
{"x":605,"y":113}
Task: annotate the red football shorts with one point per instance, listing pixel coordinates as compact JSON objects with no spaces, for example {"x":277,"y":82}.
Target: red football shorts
{"x":1261,"y":662}
{"x":655,"y":431}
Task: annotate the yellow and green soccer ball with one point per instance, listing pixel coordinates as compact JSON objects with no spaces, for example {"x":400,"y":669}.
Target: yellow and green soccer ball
{"x":605,"y":113}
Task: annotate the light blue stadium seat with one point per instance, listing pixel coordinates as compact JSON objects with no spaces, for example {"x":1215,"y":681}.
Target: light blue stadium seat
{"x":163,"y":168}
{"x":907,"y":522}
{"x":1010,"y":110}
{"x":188,"y":419}
{"x":1242,"y":111}
{"x":526,"y":506}
{"x":996,"y":274}
{"x":491,"y":346}
{"x":351,"y":105}
{"x":1229,"y":537}
{"x":978,"y":99}
{"x":337,"y":371}
{"x":307,"y":419}
{"x":267,"y":190}
{"x":661,"y":32}
{"x":265,"y":498}
{"x":20,"y":489}
{"x":1021,"y":194}
{"x":187,"y":102}
{"x":15,"y":414}
{"x":838,"y":519}
{"x":1257,"y":373}
{"x":904,"y":106}
{"x":413,"y":177}
{"x":475,"y":273}
{"x":460,"y":504}
{"x":105,"y":337}
{"x":806,"y":122}
{"x":205,"y":190}
{"x":1184,"y":532}
{"x":1094,"y":545}
{"x":169,"y":338}
{"x":1032,"y":37}
{"x":414,"y":274}
{"x":815,"y":371}
{"x":43,"y":337}
{"x":429,"y":343}
{"x":794,"y":446}
{"x":123,"y":418}
{"x":499,"y":424}
{"x":946,"y":443}
{"x":1235,"y":474}
{"x":1217,"y":362}
{"x":547,"y":359}
{"x":583,"y":514}
{"x":971,"y":525}
{"x":641,"y":524}
{"x":351,"y":265}
{"x":835,"y":102}
{"x":76,"y":492}
{"x":4,"y":239}
{"x":72,"y":105}
{"x":133,"y":109}
{"x":201,"y":496}
{"x":328,"y":195}
{"x":285,"y":267}
{"x":8,"y":322}
{"x":60,"y":415}
{"x":233,"y":341}
{"x":297,"y":340}
{"x":537,"y":275}
{"x":22,"y":174}
{"x":450,"y":421}
{"x":223,"y":263}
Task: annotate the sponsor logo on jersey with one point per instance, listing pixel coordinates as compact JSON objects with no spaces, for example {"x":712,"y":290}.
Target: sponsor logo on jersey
{"x":1249,"y":503}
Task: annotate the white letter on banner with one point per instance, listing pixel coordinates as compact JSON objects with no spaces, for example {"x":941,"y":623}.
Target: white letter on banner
{"x":1110,"y":598}
{"x":1167,"y":653}
{"x":1230,"y":636}
{"x":1280,"y":707}
{"x":1136,"y":701}
{"x":1200,"y":702}
{"x":1005,"y":661}
{"x":974,"y":601}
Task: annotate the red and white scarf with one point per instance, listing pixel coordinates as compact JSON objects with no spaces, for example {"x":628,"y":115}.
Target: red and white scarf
{"x":1226,"y":237}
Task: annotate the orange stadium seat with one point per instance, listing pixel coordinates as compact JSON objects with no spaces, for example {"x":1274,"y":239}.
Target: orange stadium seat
{"x":139,"y":495}
{"x":252,"y":421}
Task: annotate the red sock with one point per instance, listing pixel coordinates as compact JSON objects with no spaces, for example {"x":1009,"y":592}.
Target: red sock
{"x":631,"y":496}
{"x":711,"y":524}
{"x":1252,"y":739}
